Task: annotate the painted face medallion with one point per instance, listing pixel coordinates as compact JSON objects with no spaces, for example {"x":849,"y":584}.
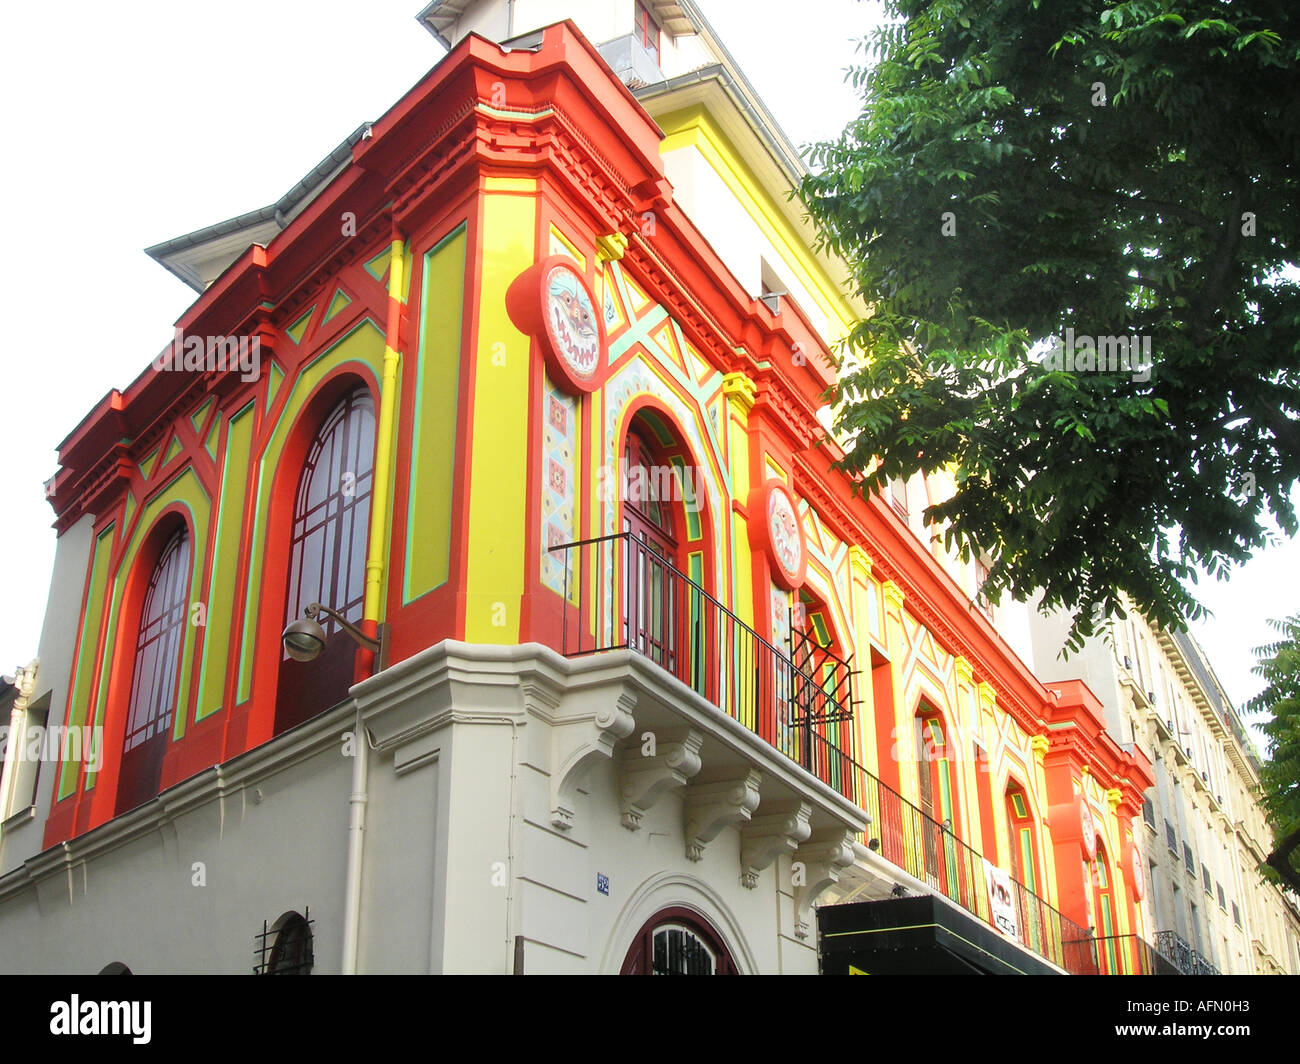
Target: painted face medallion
{"x":571,"y":321}
{"x":774,"y":529}
{"x":551,"y":302}
{"x":783,"y":527}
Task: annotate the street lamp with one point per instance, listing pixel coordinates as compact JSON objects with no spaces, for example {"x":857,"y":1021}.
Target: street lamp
{"x":304,"y":638}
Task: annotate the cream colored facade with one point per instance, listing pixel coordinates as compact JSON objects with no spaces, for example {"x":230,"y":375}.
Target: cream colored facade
{"x":1204,"y":835}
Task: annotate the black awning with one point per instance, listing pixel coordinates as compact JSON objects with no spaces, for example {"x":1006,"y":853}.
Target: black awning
{"x":917,"y":936}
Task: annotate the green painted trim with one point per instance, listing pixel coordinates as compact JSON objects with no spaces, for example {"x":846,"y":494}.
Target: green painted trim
{"x":87,"y":643}
{"x":378,"y":266}
{"x":274,"y":379}
{"x":363,"y":345}
{"x":432,"y":475}
{"x":341,"y":301}
{"x":296,"y":330}
{"x":225,"y":561}
{"x":146,"y":462}
{"x":201,"y":415}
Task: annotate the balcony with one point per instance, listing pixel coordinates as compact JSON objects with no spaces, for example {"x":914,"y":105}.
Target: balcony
{"x":1131,"y":955}
{"x":1182,"y":956}
{"x":624,"y":595}
{"x":798,"y":697}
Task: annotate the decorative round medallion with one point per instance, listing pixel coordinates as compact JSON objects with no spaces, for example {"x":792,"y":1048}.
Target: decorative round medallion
{"x":1136,"y":870}
{"x":775,"y":530}
{"x":1089,"y":828}
{"x":551,"y":301}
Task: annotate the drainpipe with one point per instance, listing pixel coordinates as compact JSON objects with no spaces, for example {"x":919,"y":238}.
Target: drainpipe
{"x":374,"y":601}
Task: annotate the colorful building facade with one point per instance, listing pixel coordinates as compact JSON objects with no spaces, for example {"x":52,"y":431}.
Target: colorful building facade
{"x":530,"y":391}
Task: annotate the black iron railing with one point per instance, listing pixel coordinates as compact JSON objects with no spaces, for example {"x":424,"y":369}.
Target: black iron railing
{"x":1131,"y":955}
{"x":1183,"y":956}
{"x":917,"y":843}
{"x":622,"y":593}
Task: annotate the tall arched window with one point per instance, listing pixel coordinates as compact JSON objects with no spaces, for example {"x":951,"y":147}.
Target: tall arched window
{"x":327,"y":561}
{"x":154,"y":674}
{"x":937,"y":790}
{"x":1022,"y":841}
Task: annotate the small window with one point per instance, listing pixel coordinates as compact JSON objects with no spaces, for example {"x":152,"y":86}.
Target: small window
{"x":898,"y":495}
{"x":981,"y":600}
{"x":286,"y":947}
{"x":647,"y":30}
{"x":677,"y":941}
{"x":680,"y":951}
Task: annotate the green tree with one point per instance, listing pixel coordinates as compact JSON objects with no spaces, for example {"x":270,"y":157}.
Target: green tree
{"x":1024,"y":168}
{"x":1279,"y":776}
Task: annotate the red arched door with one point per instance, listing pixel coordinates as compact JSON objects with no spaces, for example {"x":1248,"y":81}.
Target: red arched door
{"x":677,"y":942}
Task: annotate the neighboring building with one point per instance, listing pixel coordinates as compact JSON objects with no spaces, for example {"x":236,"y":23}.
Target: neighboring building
{"x":1208,"y":908}
{"x":524,"y":382}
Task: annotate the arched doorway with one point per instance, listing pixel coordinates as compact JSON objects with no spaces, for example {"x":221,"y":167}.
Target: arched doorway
{"x":666,"y":551}
{"x":1103,"y":910}
{"x":677,"y":941}
{"x":937,"y":797}
{"x":815,"y":729}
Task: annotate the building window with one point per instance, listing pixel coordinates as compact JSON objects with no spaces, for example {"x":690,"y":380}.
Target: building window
{"x":286,"y":946}
{"x":327,"y":559}
{"x":1149,"y":813}
{"x":1023,"y":845}
{"x":1236,"y":914}
{"x":647,"y":30}
{"x":680,"y":951}
{"x":898,"y":495}
{"x":981,"y":600}
{"x":154,"y":674}
{"x":331,"y":518}
{"x":677,"y":942}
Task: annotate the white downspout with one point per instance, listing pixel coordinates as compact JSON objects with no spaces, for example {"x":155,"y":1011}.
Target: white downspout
{"x":356,"y":837}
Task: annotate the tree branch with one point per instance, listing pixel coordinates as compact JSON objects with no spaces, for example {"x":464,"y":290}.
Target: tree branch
{"x":1280,"y":860}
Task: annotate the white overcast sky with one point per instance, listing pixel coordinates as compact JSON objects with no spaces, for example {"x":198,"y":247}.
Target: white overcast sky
{"x":131,"y":124}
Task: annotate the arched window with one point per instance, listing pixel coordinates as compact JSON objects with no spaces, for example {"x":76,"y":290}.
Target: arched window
{"x":677,"y":942}
{"x":1022,"y":841}
{"x":327,"y":560}
{"x":937,"y":790}
{"x":1103,"y":909}
{"x":154,"y":674}
{"x":287,"y":946}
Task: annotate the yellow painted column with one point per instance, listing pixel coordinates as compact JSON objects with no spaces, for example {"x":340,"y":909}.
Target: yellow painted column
{"x":740,"y":392}
{"x":863,"y":719}
{"x":498,"y":469}
{"x":384,"y":446}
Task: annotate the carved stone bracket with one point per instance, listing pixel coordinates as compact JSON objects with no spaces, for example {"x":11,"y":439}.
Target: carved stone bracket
{"x":711,"y":807}
{"x":766,"y":837}
{"x":577,"y":746}
{"x":644,"y":780}
{"x":817,"y":866}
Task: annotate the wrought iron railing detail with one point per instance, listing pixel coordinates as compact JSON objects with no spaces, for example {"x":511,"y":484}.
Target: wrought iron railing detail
{"x":622,"y":593}
{"x":1183,"y":956}
{"x":1131,"y":955}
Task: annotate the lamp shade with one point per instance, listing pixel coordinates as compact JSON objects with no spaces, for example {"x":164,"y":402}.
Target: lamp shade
{"x":303,"y":639}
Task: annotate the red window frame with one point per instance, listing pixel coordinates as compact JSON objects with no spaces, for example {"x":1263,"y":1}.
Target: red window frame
{"x":155,"y":673}
{"x":640,"y":959}
{"x":647,"y":30}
